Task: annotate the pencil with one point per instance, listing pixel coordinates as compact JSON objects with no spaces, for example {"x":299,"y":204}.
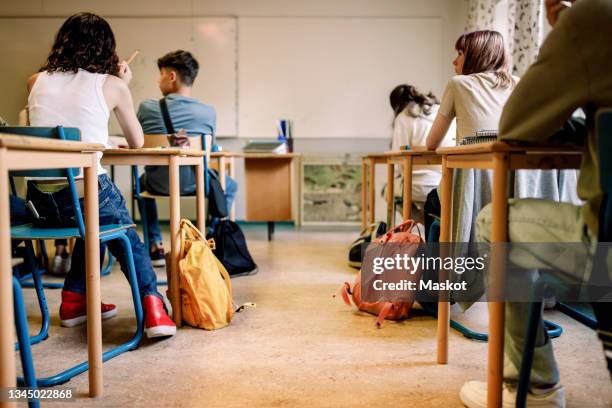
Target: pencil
{"x":134,"y":54}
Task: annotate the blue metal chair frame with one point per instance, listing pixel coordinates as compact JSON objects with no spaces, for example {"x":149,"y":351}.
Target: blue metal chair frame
{"x":107,"y":233}
{"x":23,"y":338}
{"x":604,"y":141}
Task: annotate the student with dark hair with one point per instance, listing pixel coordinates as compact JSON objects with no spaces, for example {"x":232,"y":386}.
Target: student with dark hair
{"x":81,"y":82}
{"x":177,"y":72}
{"x":572,"y":71}
{"x":414,"y":113}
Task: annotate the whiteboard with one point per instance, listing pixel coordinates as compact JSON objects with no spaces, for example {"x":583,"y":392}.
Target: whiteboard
{"x":333,"y":76}
{"x":26,"y":43}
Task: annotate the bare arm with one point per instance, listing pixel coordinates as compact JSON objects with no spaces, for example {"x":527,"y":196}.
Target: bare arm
{"x":438,"y":131}
{"x":119,"y":100}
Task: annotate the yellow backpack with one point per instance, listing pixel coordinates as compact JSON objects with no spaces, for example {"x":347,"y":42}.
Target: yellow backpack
{"x":206,"y":289}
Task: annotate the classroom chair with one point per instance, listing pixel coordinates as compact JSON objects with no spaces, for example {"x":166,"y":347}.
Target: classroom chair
{"x":29,"y":232}
{"x":604,"y":140}
{"x":151,"y":141}
{"x":554,"y":330}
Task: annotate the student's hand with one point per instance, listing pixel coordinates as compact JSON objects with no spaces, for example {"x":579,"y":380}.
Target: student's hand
{"x":125,"y":73}
{"x":554,"y":7}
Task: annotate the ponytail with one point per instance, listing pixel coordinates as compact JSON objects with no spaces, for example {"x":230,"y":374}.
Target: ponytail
{"x":404,"y":95}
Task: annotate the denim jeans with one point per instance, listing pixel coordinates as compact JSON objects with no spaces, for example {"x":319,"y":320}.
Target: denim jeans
{"x":155,"y":235}
{"x":534,"y":220}
{"x":56,"y":210}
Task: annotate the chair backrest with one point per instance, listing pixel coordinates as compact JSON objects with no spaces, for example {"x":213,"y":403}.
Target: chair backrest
{"x":603,"y":129}
{"x":151,"y":140}
{"x":61,"y":133}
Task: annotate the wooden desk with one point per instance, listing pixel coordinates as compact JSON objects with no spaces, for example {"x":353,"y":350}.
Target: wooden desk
{"x":225,"y":164}
{"x":368,"y":190}
{"x":501,"y":158}
{"x":30,"y":153}
{"x":173,"y":158}
{"x":408,"y":159}
{"x":270,"y":192}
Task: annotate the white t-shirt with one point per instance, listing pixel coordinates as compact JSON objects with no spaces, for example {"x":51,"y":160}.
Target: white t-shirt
{"x":411,"y":128}
{"x":475,"y":101}
{"x":71,"y":100}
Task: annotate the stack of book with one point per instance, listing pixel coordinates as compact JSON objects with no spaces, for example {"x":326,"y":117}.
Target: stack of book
{"x":481,"y":136}
{"x":265,"y":146}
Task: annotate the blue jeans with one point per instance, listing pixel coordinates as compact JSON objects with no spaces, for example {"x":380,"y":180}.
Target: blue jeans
{"x":152,"y":220}
{"x":56,"y":209}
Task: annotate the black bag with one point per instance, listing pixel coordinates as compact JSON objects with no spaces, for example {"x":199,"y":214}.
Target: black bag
{"x":367,"y":235}
{"x":231,"y":249}
{"x":217,"y":204}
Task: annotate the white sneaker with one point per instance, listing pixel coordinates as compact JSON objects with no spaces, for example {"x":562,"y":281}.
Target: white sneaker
{"x":60,"y":265}
{"x":473,"y":394}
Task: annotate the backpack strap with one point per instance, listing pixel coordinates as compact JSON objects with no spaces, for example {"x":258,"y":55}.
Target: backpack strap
{"x":166,"y":115}
{"x":384,"y":312}
{"x":344,"y":292}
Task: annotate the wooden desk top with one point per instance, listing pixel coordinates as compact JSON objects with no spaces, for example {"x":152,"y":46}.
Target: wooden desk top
{"x":248,"y":155}
{"x":154,"y":151}
{"x":492,"y":147}
{"x":19,"y":142}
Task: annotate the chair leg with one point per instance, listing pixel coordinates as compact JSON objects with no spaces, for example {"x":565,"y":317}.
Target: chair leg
{"x":132,"y":344}
{"x":43,"y":333}
{"x":23,"y":338}
{"x":535,"y":311}
{"x":109,"y":264}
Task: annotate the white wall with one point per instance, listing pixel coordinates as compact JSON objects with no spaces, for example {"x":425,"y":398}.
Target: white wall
{"x":451,"y":14}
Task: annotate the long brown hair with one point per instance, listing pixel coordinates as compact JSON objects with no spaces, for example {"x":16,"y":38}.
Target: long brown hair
{"x":85,"y":41}
{"x":403,"y":95}
{"x":485,"y":51}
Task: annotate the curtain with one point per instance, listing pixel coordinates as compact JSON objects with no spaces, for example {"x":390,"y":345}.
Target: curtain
{"x":523,"y":28}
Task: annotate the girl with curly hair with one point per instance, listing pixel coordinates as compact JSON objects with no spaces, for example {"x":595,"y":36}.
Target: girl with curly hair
{"x":81,"y":82}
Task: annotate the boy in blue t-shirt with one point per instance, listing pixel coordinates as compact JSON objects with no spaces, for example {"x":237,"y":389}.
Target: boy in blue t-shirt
{"x":177,"y":69}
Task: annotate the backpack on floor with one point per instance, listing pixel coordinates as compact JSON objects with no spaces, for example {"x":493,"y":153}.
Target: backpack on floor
{"x":385,"y":310}
{"x":231,"y":249}
{"x":367,"y":235}
{"x":206,"y":289}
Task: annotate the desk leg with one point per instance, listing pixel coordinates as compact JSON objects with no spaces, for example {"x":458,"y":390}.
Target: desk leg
{"x":175,"y":243}
{"x":372,"y":190}
{"x":222,"y":172}
{"x":390,"y":194}
{"x":407,"y":201}
{"x":201,"y":209}
{"x":232,"y":173}
{"x":446,"y":189}
{"x":92,"y":248}
{"x":364,"y":195}
{"x":7,"y":326}
{"x":497,"y":315}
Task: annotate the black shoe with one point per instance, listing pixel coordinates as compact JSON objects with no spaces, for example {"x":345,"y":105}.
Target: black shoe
{"x":158,"y":257}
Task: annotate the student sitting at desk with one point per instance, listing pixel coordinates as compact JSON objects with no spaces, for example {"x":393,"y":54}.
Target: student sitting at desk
{"x":177,"y":72}
{"x":414,"y":113}
{"x":551,"y":89}
{"x":79,"y":85}
{"x":476,"y":97}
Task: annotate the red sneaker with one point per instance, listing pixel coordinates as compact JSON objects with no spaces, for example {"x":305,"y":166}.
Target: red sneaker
{"x":73,"y":310}
{"x":157,"y":322}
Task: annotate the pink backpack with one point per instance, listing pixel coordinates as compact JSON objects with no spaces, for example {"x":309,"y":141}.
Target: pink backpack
{"x":385,"y":310}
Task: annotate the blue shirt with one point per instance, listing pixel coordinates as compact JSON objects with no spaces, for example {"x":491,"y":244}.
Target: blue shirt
{"x":185,"y":113}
